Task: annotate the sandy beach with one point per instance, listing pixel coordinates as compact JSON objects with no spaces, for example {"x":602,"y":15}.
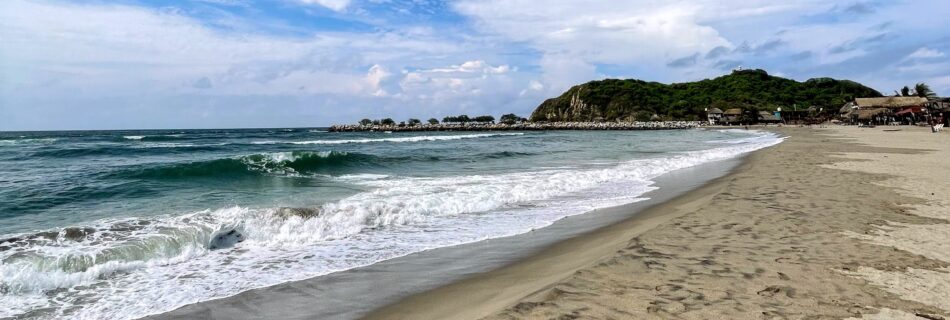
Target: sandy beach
{"x":839,"y":222}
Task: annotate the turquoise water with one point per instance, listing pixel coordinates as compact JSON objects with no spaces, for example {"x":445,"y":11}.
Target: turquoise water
{"x":122,"y":224}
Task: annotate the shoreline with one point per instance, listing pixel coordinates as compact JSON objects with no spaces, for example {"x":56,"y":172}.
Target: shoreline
{"x":817,"y":226}
{"x":524,"y":126}
{"x":343,"y":295}
{"x":813,"y":227}
{"x":483,"y":294}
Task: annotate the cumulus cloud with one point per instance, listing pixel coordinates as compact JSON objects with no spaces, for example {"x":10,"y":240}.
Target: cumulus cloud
{"x":465,"y":79}
{"x":598,"y":32}
{"x":425,"y":58}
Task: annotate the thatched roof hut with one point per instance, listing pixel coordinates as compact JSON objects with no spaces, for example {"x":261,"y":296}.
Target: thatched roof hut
{"x":890,"y":102}
{"x":733,"y":112}
{"x":868,"y":114}
{"x":714,"y":111}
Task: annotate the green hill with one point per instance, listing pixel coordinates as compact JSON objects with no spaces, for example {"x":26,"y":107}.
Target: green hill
{"x":614,"y":99}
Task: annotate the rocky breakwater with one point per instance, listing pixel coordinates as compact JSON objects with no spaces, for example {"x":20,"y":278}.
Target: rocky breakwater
{"x":527,"y":126}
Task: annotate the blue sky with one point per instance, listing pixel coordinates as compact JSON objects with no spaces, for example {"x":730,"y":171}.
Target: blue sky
{"x":284,"y":63}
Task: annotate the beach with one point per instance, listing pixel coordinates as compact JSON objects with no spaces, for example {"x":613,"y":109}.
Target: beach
{"x":775,"y":222}
{"x":839,"y":222}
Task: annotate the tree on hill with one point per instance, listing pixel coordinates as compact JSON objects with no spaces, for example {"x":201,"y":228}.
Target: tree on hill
{"x":387,"y":122}
{"x":366,"y":122}
{"x":413,"y":122}
{"x":433,"y":121}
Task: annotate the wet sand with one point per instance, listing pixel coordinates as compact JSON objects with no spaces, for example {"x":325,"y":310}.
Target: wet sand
{"x":834,"y":223}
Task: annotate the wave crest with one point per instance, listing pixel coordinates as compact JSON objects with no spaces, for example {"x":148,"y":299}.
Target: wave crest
{"x":280,"y":163}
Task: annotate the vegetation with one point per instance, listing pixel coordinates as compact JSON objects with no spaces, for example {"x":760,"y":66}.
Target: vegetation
{"x":484,"y":119}
{"x":751,"y":90}
{"x":511,"y":118}
{"x":920,"y":90}
{"x":433,"y":121}
{"x":466,"y":119}
{"x":923,"y":90}
{"x":905,"y":92}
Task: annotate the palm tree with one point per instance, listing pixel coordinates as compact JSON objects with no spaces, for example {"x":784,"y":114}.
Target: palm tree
{"x":905,"y":91}
{"x":923,"y":90}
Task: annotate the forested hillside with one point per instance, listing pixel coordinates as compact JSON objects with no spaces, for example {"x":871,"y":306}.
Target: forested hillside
{"x":614,"y":99}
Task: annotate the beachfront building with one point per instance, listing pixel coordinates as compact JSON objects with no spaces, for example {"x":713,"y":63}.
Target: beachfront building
{"x":714,"y":115}
{"x":797,"y":115}
{"x":939,"y":109}
{"x":768,"y":117}
{"x":844,"y":114}
{"x":889,"y":110}
{"x":732,"y":116}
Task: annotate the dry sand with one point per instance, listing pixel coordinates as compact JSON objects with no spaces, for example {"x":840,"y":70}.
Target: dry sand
{"x":834,"y":223}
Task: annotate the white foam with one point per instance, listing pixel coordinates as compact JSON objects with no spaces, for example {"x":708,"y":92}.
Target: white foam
{"x":11,"y":142}
{"x":277,"y":162}
{"x":401,"y":139}
{"x":165,"y":264}
{"x":361,"y":177}
{"x":133,"y":137}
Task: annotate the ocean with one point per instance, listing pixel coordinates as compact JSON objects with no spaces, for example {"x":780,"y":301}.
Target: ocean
{"x":123,"y":224}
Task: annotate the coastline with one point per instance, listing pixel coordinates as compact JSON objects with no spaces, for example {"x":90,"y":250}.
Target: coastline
{"x":354,"y":293}
{"x":818,"y":226}
{"x":521,"y":126}
{"x":484,"y":294}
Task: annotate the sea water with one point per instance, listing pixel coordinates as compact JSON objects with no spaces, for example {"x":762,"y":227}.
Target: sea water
{"x":123,"y":224}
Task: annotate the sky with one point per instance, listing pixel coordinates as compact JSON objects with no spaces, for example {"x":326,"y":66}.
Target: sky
{"x":306,"y":63}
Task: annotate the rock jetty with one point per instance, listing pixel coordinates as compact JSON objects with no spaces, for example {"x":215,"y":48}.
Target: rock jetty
{"x":527,"y":126}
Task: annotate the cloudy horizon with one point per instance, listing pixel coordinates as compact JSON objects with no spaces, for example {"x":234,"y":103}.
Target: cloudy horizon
{"x":306,"y":63}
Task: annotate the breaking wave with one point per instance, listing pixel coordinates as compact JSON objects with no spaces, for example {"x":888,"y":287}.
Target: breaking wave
{"x":281,"y":163}
{"x":395,"y":216}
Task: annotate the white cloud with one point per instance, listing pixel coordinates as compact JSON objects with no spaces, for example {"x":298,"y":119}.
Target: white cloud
{"x":504,"y":55}
{"x":470,"y":78}
{"x":375,"y":77}
{"x":80,"y":47}
{"x":598,"y":31}
{"x":474,"y":66}
{"x":924,"y":53}
{"x":335,"y":5}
